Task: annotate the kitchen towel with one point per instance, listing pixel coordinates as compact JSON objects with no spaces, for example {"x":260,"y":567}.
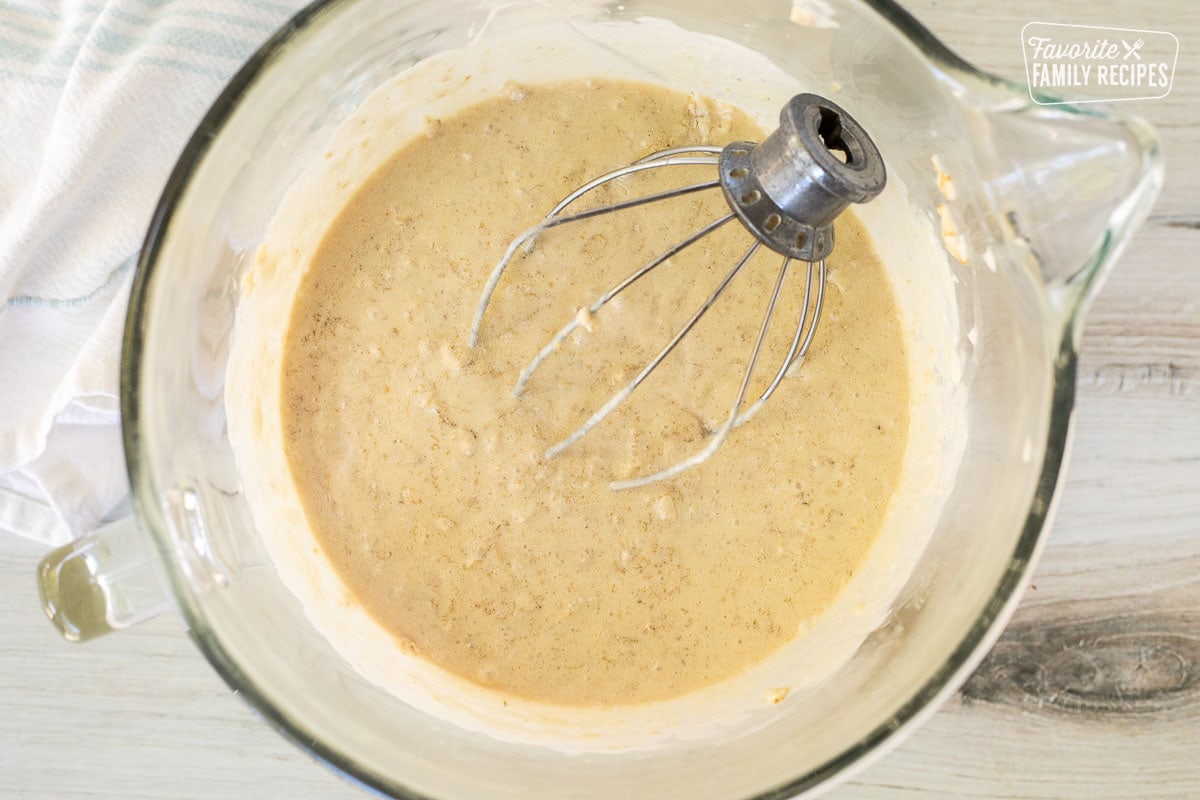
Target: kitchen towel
{"x":97,"y":99}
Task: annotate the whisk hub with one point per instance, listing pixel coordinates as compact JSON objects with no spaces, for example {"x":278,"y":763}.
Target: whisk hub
{"x":789,"y":189}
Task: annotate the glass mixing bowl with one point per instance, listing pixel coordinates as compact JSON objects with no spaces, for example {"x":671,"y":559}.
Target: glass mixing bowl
{"x":1055,"y":192}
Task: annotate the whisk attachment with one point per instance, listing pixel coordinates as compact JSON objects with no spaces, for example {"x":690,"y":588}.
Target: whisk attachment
{"x":786,"y":192}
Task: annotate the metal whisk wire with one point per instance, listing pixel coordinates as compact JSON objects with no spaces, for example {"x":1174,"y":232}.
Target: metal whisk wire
{"x":594,"y":307}
{"x":664,"y":158}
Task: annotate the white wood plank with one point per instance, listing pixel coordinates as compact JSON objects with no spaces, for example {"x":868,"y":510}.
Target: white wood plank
{"x":136,"y":715}
{"x":1094,"y":691}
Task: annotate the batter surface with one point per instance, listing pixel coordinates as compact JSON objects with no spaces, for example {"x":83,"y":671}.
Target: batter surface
{"x":425,"y":481}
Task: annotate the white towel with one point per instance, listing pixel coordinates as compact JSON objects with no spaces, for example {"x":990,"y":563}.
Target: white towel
{"x":97,"y":99}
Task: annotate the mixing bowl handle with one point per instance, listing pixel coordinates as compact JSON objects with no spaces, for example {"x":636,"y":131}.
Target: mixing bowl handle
{"x":106,"y":581}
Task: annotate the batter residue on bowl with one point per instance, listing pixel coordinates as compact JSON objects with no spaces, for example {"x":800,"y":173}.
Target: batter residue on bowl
{"x":425,"y":481}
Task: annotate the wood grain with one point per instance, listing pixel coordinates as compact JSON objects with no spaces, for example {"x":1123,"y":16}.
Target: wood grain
{"x":1093,"y":692}
{"x":1101,"y":656}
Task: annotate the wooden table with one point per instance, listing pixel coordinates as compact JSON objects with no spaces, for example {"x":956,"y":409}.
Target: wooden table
{"x":1093,"y":692}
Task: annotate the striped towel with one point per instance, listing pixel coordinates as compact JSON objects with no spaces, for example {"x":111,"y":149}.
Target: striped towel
{"x":97,"y":99}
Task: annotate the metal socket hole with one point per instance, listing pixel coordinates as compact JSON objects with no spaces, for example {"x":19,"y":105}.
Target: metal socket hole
{"x":830,"y":130}
{"x":751,"y":197}
{"x":772,"y":223}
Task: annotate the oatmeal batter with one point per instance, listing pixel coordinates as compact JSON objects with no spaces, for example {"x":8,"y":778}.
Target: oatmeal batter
{"x":425,"y":481}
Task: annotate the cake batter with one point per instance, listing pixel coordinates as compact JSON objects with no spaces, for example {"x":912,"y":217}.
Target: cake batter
{"x":424,"y":480}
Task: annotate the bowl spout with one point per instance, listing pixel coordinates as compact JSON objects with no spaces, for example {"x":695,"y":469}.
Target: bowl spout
{"x":1074,"y":183}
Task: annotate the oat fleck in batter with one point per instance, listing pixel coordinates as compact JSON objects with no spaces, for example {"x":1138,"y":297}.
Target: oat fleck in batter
{"x":425,"y":480}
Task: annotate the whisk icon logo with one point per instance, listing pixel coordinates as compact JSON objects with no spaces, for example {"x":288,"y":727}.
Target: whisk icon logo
{"x":1090,"y":64}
